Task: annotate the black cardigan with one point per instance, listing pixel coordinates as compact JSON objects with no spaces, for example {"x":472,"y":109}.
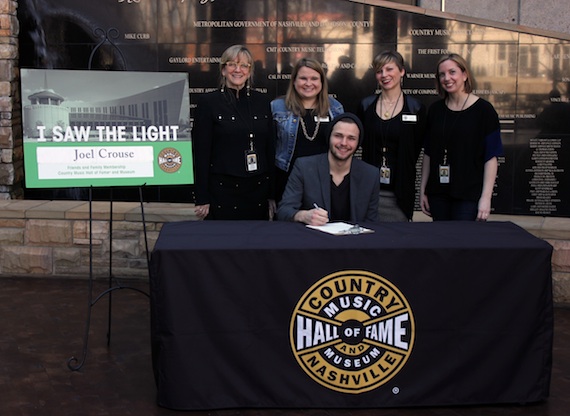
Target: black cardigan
{"x":410,"y":145}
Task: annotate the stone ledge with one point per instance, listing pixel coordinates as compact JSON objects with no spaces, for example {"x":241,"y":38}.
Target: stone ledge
{"x":79,"y":210}
{"x":556,"y":228}
{"x":547,"y":228}
{"x":50,"y":238}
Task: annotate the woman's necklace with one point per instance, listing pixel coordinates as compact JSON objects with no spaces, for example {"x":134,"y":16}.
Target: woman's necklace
{"x":387,"y":114}
{"x":462,"y":107}
{"x":304,"y":128}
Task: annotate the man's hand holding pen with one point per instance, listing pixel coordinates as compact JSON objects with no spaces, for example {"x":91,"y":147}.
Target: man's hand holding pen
{"x":315,"y":216}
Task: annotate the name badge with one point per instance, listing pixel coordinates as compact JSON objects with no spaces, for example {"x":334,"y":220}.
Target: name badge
{"x":325,"y":119}
{"x":444,"y":174}
{"x":250,"y":161}
{"x":410,"y":118}
{"x":385,"y":174}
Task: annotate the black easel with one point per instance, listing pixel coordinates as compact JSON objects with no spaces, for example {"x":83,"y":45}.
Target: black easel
{"x":74,"y":363}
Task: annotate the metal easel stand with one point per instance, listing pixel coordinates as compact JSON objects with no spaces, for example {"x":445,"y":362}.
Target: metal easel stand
{"x":73,"y":363}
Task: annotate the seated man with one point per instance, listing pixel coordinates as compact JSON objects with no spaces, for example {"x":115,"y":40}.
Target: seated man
{"x":333,"y":186}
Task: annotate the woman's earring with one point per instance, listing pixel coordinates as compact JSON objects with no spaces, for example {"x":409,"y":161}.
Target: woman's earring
{"x":223,"y":84}
{"x":247,"y":87}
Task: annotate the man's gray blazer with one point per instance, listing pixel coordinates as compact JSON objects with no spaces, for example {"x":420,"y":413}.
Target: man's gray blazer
{"x":310,"y":183}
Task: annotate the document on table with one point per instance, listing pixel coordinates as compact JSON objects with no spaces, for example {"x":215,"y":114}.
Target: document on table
{"x":341,"y":228}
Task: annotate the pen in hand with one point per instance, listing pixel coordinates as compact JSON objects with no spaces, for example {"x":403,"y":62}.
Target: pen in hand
{"x":318,"y":217}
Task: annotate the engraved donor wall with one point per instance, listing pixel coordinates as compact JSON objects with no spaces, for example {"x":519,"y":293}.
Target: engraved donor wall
{"x":525,"y":76}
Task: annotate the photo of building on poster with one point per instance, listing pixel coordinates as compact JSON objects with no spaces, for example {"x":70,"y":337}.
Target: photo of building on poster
{"x":105,"y":128}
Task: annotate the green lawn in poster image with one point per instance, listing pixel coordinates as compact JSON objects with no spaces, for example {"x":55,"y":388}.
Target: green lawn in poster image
{"x":97,"y":165}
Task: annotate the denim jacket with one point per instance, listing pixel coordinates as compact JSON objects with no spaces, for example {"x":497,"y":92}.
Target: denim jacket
{"x":287,"y":125}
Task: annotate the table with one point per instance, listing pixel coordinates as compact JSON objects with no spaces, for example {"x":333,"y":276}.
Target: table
{"x":248,"y":314}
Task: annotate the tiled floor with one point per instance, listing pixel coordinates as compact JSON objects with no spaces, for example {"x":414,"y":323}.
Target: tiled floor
{"x":42,"y":323}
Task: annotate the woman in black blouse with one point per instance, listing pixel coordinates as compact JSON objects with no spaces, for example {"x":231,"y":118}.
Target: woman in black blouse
{"x":393,"y":133}
{"x":462,"y":147}
{"x":233,"y":146}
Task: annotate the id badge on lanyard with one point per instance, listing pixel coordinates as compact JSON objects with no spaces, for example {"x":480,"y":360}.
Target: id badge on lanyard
{"x":444,"y":174}
{"x":251,"y":160}
{"x":385,"y":174}
{"x":251,"y":156}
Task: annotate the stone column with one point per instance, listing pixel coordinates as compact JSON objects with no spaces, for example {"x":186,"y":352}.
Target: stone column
{"x":11,"y":139}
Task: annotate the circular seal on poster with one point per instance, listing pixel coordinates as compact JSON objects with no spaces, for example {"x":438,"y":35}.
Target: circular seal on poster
{"x":169,"y":160}
{"x":352,"y":331}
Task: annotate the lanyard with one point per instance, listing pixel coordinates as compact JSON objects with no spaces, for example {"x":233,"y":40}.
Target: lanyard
{"x":384,"y":134}
{"x":451,"y":128}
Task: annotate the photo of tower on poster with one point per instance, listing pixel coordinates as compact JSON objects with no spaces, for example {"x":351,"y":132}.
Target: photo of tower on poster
{"x":105,"y":128}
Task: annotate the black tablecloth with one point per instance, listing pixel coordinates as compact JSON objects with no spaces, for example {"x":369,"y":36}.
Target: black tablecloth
{"x":226,"y":296}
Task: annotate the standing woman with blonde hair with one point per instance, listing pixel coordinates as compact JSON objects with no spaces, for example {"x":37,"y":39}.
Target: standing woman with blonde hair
{"x":301,"y":118}
{"x":393,"y":133}
{"x":463,"y":142}
{"x":233,"y":145}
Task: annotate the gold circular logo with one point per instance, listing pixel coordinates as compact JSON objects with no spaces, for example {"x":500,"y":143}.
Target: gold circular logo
{"x":352,"y":331}
{"x":169,"y":160}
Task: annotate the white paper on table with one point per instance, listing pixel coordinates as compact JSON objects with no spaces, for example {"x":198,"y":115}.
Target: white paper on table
{"x":341,"y":228}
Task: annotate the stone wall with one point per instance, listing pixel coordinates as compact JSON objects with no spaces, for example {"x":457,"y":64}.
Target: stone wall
{"x":50,"y":239}
{"x":550,"y":15}
{"x":11,"y":143}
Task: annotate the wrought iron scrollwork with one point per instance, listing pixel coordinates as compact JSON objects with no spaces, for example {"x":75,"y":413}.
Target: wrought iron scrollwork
{"x":107,"y":38}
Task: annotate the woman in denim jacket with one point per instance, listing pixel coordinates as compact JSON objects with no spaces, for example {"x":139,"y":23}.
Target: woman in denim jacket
{"x":307,"y":104}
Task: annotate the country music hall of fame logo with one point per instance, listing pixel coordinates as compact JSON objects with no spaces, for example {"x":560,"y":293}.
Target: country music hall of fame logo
{"x":169,"y":160}
{"x":352,"y":331}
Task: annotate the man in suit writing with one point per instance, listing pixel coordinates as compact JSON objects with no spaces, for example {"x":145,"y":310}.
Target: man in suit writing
{"x":333,"y":186}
